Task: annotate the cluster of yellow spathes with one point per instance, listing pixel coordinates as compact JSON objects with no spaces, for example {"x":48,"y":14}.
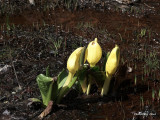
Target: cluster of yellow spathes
{"x":93,"y":54}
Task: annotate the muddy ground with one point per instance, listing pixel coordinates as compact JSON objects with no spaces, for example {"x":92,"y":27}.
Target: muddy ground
{"x":33,"y":37}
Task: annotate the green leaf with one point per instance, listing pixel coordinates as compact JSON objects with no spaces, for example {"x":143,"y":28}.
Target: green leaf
{"x":105,"y":60}
{"x":82,"y":79}
{"x":34,"y":100}
{"x":99,"y":77}
{"x":94,"y":69}
{"x":47,"y":71}
{"x":72,"y":82}
{"x":48,"y":88}
{"x":81,"y":73}
{"x":44,"y":78}
{"x":65,"y":90}
{"x":82,"y":57}
{"x":62,"y":77}
{"x":108,"y":54}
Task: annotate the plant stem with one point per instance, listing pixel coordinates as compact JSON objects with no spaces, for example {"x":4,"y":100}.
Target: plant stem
{"x":88,"y":88}
{"x":84,"y":85}
{"x":89,"y":85}
{"x":106,"y":85}
{"x":90,"y":81}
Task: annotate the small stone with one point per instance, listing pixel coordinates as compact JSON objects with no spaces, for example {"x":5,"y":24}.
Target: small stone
{"x":32,"y":2}
{"x":6,"y":112}
{"x":4,"y":69}
{"x":13,"y":93}
{"x":129,"y":69}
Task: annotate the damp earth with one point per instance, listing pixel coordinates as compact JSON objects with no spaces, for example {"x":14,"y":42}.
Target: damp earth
{"x":35,"y":36}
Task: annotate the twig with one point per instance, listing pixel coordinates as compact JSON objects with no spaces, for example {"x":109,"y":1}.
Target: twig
{"x":15,"y":74}
{"x":148,"y":6}
{"x":46,"y":111}
{"x":11,"y":58}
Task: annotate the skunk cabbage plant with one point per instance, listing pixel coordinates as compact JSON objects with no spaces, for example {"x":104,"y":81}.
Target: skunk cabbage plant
{"x":94,"y":55}
{"x":55,"y":88}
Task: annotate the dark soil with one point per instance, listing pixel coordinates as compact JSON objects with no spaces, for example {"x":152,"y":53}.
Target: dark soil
{"x":28,"y":35}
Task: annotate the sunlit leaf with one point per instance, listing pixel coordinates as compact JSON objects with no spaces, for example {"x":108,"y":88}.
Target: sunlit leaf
{"x":62,"y":77}
{"x":34,"y":100}
{"x":48,"y":88}
{"x":72,"y":82}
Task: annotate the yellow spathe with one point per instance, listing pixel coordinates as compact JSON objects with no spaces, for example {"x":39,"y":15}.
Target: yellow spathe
{"x":94,"y":52}
{"x":113,"y":61}
{"x":111,"y":67}
{"x":73,"y":60}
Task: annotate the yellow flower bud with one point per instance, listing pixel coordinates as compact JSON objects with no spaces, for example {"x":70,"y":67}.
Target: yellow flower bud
{"x":111,"y":67}
{"x":73,"y":60}
{"x":113,"y":60}
{"x":73,"y":65}
{"x":94,"y":52}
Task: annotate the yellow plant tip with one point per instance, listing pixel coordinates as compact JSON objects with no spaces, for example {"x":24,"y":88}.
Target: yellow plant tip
{"x":96,"y":40}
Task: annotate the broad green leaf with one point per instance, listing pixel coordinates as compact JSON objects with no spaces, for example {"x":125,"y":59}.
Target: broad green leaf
{"x":48,"y":88}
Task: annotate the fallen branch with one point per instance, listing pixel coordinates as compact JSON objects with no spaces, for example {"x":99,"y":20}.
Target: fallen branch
{"x":46,"y":111}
